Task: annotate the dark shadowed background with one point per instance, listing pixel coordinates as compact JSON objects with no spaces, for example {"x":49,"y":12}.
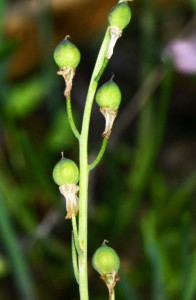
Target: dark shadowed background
{"x":142,"y":195}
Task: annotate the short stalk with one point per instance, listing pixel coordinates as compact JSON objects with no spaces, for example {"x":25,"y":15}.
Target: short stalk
{"x":75,"y":234}
{"x":112,"y":295}
{"x":74,"y":259}
{"x":100,"y":154}
{"x":70,"y":118}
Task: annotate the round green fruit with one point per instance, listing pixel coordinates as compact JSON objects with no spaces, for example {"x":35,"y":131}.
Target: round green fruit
{"x":120,"y":15}
{"x":65,"y":172}
{"x":105,"y":260}
{"x":109,"y":95}
{"x":66,"y":54}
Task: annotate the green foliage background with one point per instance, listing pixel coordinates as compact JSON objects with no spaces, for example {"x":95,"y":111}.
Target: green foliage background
{"x":142,"y":195}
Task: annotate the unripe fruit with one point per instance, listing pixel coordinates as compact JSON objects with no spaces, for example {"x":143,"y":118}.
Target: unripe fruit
{"x":66,"y":54}
{"x":109,"y":95}
{"x":120,"y":15}
{"x":105,"y":260}
{"x":65,"y":172}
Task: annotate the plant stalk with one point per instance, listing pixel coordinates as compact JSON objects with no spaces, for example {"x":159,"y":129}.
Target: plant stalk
{"x":70,"y":118}
{"x":100,"y":65}
{"x":84,"y":170}
{"x":100,"y":154}
{"x":112,"y":295}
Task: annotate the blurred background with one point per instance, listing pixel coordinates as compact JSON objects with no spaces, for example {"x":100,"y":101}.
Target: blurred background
{"x":142,"y":195}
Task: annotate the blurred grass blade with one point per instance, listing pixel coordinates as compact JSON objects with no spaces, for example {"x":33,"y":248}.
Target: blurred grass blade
{"x":153,"y":251}
{"x":182,"y":194}
{"x":125,"y":290}
{"x":7,"y":48}
{"x":17,"y":261}
{"x":3,"y":7}
{"x":190,"y":291}
{"x":150,"y":125}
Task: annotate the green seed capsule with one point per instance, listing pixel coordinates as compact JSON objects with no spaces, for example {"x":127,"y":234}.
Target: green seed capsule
{"x":66,"y":54}
{"x":120,"y":15}
{"x":109,"y":95}
{"x":65,"y":172}
{"x":105,"y":260}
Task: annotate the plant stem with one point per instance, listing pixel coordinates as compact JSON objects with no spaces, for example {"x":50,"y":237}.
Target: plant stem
{"x":100,"y":154}
{"x":112,"y":295}
{"x":104,"y":65}
{"x":75,"y":233}
{"x":84,"y":170}
{"x":70,"y":118}
{"x":74,"y":258}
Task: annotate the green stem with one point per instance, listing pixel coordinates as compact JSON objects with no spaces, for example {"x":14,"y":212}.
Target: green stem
{"x":100,"y":154}
{"x":75,"y":233}
{"x":74,"y":258}
{"x":84,"y":170}
{"x":112,"y":295}
{"x":104,"y":65}
{"x":70,"y":118}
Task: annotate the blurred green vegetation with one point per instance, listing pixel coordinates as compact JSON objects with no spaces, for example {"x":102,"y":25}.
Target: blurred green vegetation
{"x":141,"y":197}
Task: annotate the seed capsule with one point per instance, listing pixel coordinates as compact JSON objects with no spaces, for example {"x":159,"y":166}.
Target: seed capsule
{"x":65,"y":172}
{"x":109,"y":95}
{"x":66,"y":54}
{"x":108,"y":98}
{"x":105,"y":260}
{"x":120,"y":15}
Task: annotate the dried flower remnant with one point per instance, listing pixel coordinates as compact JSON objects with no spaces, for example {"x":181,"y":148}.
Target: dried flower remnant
{"x":109,"y":115}
{"x":69,"y":191}
{"x":115,"y":34}
{"x":68,"y":74}
{"x":110,"y":280}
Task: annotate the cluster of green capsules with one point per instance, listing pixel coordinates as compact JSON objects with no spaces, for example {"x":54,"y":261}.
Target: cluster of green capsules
{"x":108,"y":97}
